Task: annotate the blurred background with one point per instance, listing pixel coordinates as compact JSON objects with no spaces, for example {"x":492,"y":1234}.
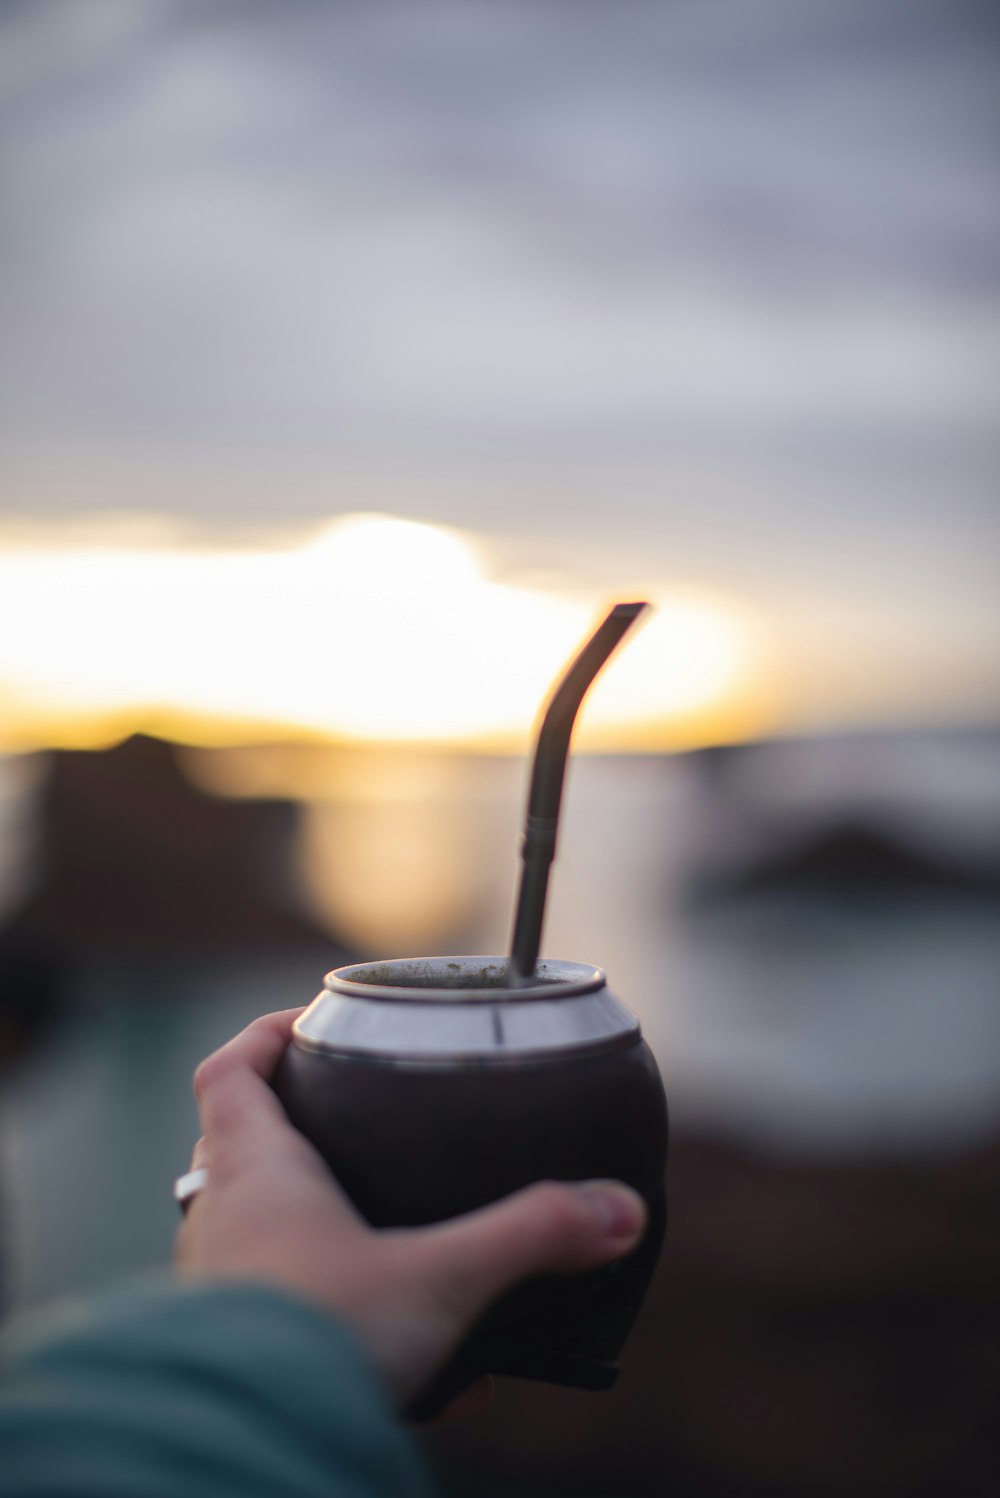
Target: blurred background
{"x":352,"y":358}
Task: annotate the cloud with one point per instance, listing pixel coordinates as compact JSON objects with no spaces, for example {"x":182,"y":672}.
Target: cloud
{"x":750,"y":234}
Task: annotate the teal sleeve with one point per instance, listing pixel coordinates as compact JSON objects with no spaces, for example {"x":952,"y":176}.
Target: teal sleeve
{"x":162,"y":1390}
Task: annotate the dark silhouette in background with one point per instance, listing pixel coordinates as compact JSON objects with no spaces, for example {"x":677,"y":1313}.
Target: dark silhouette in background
{"x":136,"y":859}
{"x":818,"y":1325}
{"x":847,"y":860}
{"x":134,"y":862}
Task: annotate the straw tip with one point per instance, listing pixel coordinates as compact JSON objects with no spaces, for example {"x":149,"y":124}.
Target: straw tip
{"x":628,"y":610}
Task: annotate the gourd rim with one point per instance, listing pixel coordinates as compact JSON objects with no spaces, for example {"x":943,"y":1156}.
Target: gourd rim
{"x":461,"y":980}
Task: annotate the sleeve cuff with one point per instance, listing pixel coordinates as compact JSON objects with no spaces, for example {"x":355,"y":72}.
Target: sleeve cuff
{"x":259,"y":1386}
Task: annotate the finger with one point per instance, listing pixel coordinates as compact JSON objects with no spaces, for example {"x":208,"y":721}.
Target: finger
{"x":550,"y":1227}
{"x":238,"y":1109}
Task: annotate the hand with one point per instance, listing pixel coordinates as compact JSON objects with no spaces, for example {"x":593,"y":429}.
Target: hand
{"x":273,"y":1213}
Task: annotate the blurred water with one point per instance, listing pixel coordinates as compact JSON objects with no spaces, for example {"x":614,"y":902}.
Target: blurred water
{"x":799,"y":1024}
{"x":858,"y":1028}
{"x":99,"y":1122}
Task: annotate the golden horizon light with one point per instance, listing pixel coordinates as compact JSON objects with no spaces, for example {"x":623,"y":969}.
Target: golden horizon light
{"x":368,"y":629}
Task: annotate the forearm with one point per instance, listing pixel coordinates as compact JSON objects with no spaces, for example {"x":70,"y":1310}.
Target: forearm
{"x":227,"y":1392}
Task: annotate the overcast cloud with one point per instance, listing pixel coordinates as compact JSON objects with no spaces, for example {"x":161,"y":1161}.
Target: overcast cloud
{"x":709,"y":254}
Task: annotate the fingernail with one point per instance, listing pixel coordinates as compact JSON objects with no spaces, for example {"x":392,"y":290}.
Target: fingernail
{"x":620,"y":1211}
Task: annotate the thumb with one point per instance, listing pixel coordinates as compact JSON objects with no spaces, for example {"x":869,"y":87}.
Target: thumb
{"x":547,"y":1228}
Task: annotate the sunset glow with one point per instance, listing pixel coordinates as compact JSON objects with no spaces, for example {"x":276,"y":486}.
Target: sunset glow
{"x":368,"y":629}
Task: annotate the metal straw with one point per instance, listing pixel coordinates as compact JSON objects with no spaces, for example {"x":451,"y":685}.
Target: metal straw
{"x":538,"y":847}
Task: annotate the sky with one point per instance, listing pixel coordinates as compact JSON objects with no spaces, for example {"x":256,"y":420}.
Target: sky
{"x":707,"y":290}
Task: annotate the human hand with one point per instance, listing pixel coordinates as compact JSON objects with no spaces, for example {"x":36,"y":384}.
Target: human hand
{"x":272,"y":1212}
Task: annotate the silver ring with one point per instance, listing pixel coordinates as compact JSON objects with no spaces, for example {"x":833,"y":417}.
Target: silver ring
{"x":186,"y":1187}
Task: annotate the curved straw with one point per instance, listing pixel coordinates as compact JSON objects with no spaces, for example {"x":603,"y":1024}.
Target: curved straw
{"x":538,"y":847}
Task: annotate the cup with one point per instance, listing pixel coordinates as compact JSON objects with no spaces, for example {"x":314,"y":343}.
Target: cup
{"x":431,"y":1087}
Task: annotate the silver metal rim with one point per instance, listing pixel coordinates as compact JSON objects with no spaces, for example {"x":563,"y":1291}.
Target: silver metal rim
{"x":571,"y":1012}
{"x":562,"y":980}
{"x":557,"y":1055}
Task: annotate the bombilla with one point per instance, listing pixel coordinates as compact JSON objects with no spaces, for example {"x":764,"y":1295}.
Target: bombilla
{"x":538,"y":846}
